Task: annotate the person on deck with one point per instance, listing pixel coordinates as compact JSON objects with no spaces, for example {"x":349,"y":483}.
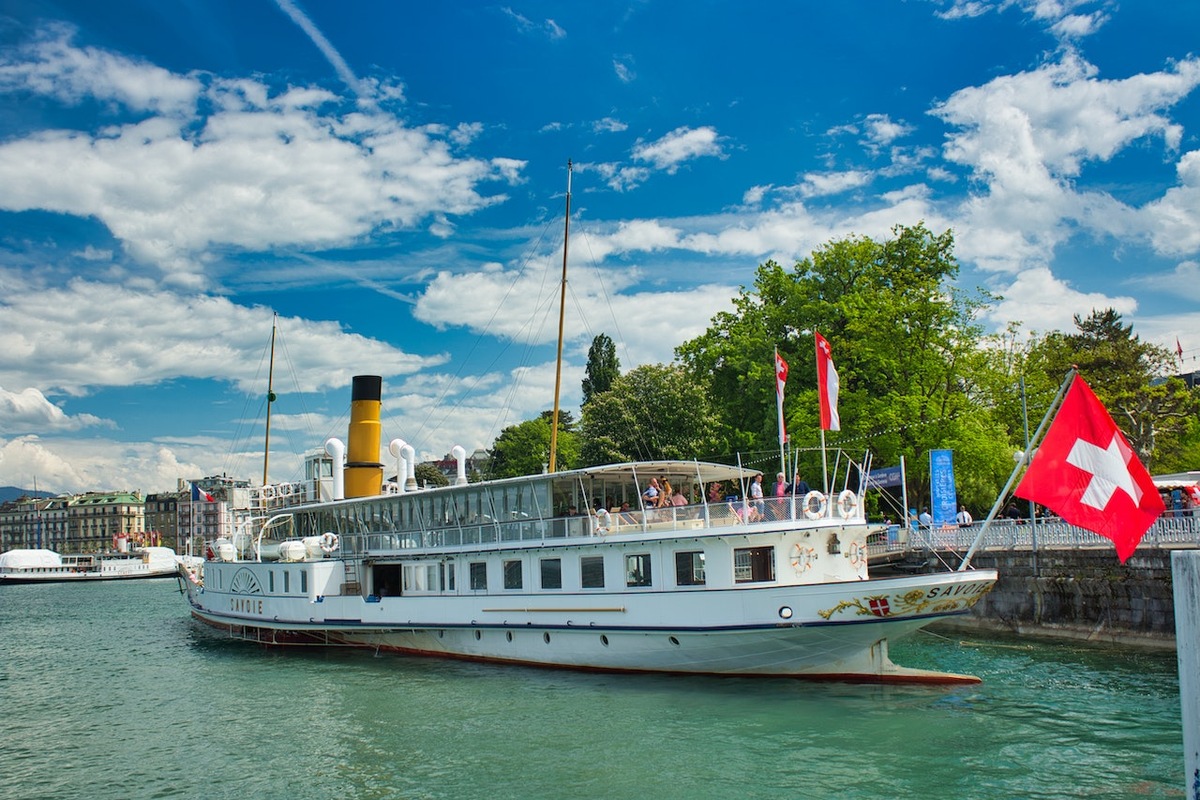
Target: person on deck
{"x":964,"y":518}
{"x":799,"y":486}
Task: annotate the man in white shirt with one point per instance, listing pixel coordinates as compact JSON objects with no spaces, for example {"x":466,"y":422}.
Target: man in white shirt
{"x":964,"y":517}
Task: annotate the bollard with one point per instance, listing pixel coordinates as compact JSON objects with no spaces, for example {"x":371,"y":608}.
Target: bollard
{"x":1185,"y":577}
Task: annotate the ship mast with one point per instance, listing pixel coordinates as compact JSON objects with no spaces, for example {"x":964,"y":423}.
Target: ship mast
{"x":562,"y":311}
{"x":270,"y":399}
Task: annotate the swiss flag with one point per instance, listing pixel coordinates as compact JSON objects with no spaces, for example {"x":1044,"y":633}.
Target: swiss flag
{"x":1085,"y":472}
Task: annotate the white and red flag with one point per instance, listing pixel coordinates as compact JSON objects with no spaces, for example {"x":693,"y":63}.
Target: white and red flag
{"x":827,"y":386}
{"x":781,"y":370}
{"x":1086,"y":472}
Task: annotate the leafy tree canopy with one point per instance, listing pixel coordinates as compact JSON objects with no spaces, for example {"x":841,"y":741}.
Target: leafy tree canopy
{"x":602,"y":367}
{"x":524,"y":448}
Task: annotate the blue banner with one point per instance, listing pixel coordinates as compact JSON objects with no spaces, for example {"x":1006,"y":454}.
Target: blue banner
{"x":885,"y":478}
{"x":942,"y":496}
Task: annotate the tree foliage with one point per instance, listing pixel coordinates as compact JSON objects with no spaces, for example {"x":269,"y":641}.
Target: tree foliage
{"x":524,"y":448}
{"x":603,"y":367}
{"x":1126,"y":375}
{"x":653,"y":412}
{"x":428,"y":475}
{"x":904,"y":340}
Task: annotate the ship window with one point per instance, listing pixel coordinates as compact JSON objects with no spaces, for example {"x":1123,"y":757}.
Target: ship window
{"x":637,"y":570}
{"x":754,"y":564}
{"x":689,"y":568}
{"x":551,"y":573}
{"x":287,"y":581}
{"x":512,"y":574}
{"x":271,"y":582}
{"x":479,"y":575}
{"x":448,"y":576}
{"x":304,"y":583}
{"x":591,"y":572}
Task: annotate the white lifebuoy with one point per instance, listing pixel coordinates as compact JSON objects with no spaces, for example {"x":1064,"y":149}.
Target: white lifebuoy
{"x":803,"y":558}
{"x":603,"y":521}
{"x":821,"y":504}
{"x":329,"y":542}
{"x":267,"y":491}
{"x":285,"y":490}
{"x":857,"y":553}
{"x":847,"y":503}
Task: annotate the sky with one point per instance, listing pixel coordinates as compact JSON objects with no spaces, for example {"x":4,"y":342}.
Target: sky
{"x":383,"y":183}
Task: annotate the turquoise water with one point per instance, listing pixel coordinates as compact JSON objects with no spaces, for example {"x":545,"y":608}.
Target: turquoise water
{"x":111,"y":691}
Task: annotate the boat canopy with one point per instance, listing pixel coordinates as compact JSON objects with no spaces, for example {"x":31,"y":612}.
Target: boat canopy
{"x":29,"y":559}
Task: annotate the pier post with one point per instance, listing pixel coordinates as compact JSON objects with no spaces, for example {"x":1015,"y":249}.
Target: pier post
{"x":1185,"y":577}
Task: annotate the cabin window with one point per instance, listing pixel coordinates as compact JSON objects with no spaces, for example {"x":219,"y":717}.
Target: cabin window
{"x":287,"y":581}
{"x":591,"y":572}
{"x":448,"y":576}
{"x":689,"y":568}
{"x":271,"y":581}
{"x":551,"y":573}
{"x":303,"y":582}
{"x":479,"y":575}
{"x":754,"y":564}
{"x":512,"y":574}
{"x":637,"y":570}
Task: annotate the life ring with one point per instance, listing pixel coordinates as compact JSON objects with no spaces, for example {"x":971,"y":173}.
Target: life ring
{"x":821,"y":504}
{"x":603,"y":521}
{"x":267,"y":491}
{"x":285,"y":490}
{"x":803,"y":558}
{"x":847,"y":503}
{"x":329,"y":542}
{"x":857,"y":553}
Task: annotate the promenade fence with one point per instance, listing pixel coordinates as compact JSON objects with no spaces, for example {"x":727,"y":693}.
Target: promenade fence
{"x":1168,"y":532}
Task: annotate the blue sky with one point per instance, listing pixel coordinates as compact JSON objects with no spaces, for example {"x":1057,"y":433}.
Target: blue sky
{"x":389,"y":178}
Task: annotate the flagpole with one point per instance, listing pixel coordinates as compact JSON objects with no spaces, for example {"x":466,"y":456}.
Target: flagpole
{"x":824,"y":466}
{"x":1021,"y":462}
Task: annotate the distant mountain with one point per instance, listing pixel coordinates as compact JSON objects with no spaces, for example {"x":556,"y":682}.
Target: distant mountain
{"x":12,"y":493}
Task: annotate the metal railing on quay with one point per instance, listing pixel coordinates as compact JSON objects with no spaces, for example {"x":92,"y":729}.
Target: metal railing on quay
{"x":1166,"y":532}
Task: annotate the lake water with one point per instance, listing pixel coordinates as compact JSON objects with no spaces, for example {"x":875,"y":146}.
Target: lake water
{"x":112,"y":691}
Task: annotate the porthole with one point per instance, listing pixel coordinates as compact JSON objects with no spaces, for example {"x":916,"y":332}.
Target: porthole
{"x":604,"y":640}
{"x":508,"y":635}
{"x":478,"y":635}
{"x":546,"y":637}
{"x":785,"y":612}
{"x":674,"y":641}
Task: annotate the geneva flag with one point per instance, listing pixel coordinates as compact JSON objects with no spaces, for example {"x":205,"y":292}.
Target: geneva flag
{"x":1085,"y":472}
{"x":781,"y":370}
{"x":827,"y":386}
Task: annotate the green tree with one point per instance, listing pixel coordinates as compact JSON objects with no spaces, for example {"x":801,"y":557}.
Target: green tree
{"x":1154,"y":412}
{"x":602,"y":367}
{"x":524,"y":448}
{"x":653,"y":412}
{"x":427,"y":474}
{"x":905,"y":343}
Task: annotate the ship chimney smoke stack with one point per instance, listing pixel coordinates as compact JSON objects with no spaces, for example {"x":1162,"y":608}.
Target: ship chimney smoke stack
{"x":364,"y":471}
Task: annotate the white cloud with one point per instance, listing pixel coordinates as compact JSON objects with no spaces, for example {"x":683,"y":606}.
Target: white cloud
{"x":1043,"y":302}
{"x":259,"y":172}
{"x":1028,"y":137}
{"x":84,"y":335}
{"x":678,"y":146}
{"x":623,"y":67}
{"x":28,"y":411}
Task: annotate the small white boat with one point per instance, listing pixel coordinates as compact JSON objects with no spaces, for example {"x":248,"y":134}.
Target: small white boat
{"x":494,"y":571}
{"x":47,"y":566}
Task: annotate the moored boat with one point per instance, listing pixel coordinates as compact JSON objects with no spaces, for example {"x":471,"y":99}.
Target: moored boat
{"x":503,"y":571}
{"x":47,"y":566}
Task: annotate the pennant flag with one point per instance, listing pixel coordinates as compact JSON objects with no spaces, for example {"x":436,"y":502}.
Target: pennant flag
{"x":1178,"y":349}
{"x":199,"y":494}
{"x":781,"y":370}
{"x":827,"y":386}
{"x":1086,"y":472}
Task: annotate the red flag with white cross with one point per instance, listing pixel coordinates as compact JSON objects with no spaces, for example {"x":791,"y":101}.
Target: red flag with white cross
{"x":1086,"y":472}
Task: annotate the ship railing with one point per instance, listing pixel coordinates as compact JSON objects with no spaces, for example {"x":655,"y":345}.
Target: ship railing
{"x":488,"y":531}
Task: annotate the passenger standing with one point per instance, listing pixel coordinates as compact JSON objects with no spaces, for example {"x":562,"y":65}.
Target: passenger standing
{"x":756,"y":497}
